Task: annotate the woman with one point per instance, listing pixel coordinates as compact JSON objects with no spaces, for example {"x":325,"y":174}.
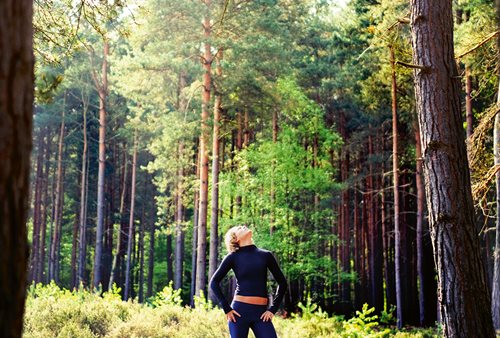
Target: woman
{"x":249,"y":308}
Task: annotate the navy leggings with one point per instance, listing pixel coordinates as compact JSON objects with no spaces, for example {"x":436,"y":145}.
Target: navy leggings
{"x":250,"y":319}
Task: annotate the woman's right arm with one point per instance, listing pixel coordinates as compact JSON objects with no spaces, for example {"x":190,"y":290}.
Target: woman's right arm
{"x":221,"y":272}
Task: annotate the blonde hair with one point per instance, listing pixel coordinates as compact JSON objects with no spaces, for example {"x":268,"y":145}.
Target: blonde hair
{"x":231,"y":240}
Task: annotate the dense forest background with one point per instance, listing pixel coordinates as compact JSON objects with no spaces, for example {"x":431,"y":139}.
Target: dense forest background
{"x":159,"y":124}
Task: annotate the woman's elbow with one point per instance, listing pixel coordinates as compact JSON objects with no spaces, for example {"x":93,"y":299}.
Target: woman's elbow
{"x":213,"y":283}
{"x":283,"y":284}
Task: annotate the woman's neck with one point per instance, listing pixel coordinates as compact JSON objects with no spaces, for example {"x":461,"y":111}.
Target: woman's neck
{"x":246,"y":242}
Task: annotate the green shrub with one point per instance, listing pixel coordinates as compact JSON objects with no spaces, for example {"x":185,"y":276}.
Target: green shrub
{"x":387,"y":317}
{"x":52,"y":312}
{"x":167,"y":296}
{"x":363,"y":325}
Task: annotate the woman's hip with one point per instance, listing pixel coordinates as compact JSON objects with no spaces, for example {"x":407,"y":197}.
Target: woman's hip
{"x":248,"y":310}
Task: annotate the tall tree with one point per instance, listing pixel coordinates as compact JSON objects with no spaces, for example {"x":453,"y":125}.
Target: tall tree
{"x":214,"y":219}
{"x":395,"y":173}
{"x":128,"y":271}
{"x":82,"y":233}
{"x":206,"y":60}
{"x":420,"y":220}
{"x":37,"y":212}
{"x":463,"y":291}
{"x":102,"y":89}
{"x":16,"y":113}
{"x":58,"y":205}
{"x":495,"y":296}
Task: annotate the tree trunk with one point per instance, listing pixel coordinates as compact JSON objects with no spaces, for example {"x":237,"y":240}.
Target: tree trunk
{"x":463,"y":291}
{"x":202,"y":218}
{"x":194,"y":251}
{"x":377,"y":213}
{"x":179,"y":228}
{"x":246,"y":130}
{"x":141,"y":258}
{"x":179,"y":211}
{"x":58,"y":200}
{"x":397,"y":258}
{"x":37,"y":205}
{"x":151,"y":256}
{"x":468,"y":102}
{"x":357,"y":248}
{"x":390,"y":289}
{"x":170,"y":261}
{"x":16,"y":114}
{"x":103,"y":92}
{"x":275,"y":140}
{"x":128,"y":279}
{"x":119,"y":244}
{"x":214,"y":229}
{"x":495,"y":296}
{"x":42,"y":275}
{"x":239,"y":131}
{"x":107,"y":250}
{"x":420,"y":221}
{"x":82,"y":244}
{"x":74,"y":252}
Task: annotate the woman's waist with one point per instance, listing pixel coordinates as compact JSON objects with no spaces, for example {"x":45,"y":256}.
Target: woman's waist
{"x":256,"y":300}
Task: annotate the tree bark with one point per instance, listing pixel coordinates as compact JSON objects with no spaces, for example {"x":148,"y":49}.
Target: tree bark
{"x":170,"y":260}
{"x":463,"y":291}
{"x":151,"y":256}
{"x":272,"y":207}
{"x":179,"y":228}
{"x":141,"y":257}
{"x":37,"y":206}
{"x":495,"y":295}
{"x":74,"y":252}
{"x":82,"y":243}
{"x":420,"y":221}
{"x":16,"y":114}
{"x":128,"y":271}
{"x":102,"y":87}
{"x":179,"y":196}
{"x":390,"y":289}
{"x":194,"y":251}
{"x":214,"y":229}
{"x":202,"y":218}
{"x":468,"y":102}
{"x":246,"y":130}
{"x":42,"y":275}
{"x":119,"y":244}
{"x":397,"y":258}
{"x":58,"y":200}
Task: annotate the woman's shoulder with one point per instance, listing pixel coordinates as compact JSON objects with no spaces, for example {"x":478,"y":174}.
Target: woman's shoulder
{"x":265,"y":251}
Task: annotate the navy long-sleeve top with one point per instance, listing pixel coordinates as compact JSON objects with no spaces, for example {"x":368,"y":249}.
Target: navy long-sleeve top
{"x":250,"y":266}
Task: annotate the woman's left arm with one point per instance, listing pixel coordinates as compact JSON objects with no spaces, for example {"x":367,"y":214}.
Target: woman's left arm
{"x":280,"y":278}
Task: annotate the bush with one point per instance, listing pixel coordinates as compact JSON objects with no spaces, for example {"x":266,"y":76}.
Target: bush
{"x":54,"y":312}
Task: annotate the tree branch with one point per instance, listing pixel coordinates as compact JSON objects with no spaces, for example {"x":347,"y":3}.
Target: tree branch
{"x":485,"y":40}
{"x":410,"y":65}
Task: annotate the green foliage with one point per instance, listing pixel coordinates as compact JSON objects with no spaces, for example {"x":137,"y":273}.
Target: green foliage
{"x":363,"y":325}
{"x":310,"y":310}
{"x":387,"y":317}
{"x":167,"y":296}
{"x":55,"y":312}
{"x":202,"y":303}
